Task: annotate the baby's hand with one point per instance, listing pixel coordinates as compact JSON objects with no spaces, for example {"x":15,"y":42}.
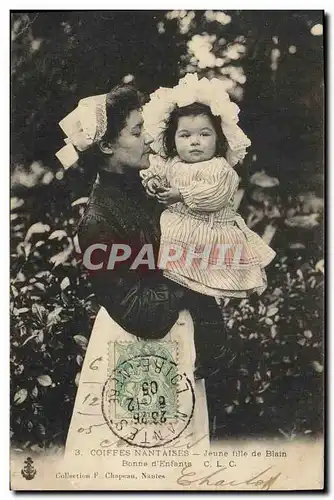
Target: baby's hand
{"x":152,"y":186}
{"x":168,"y":196}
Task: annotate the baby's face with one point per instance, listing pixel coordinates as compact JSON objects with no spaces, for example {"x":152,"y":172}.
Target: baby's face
{"x":195,"y":139}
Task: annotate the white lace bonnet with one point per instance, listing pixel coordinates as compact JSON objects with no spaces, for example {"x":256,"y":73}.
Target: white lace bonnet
{"x":190,"y":89}
{"x":84,"y":126}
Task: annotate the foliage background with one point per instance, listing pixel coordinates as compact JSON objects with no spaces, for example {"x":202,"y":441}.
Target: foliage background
{"x":274,"y":62}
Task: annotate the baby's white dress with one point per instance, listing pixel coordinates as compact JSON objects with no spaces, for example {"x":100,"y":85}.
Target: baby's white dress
{"x":207,"y":219}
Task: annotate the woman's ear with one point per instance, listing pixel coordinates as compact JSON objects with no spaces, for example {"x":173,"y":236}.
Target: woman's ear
{"x":105,"y":147}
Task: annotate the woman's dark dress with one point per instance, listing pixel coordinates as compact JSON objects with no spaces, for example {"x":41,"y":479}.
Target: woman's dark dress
{"x":142,"y":301}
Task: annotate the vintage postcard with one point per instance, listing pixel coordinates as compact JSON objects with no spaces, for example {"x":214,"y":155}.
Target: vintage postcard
{"x":167,"y":250}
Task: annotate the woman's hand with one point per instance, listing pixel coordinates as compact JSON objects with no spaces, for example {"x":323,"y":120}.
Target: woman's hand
{"x":168,"y":196}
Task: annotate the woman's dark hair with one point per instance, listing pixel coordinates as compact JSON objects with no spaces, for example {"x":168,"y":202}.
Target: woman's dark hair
{"x":194,"y":109}
{"x":121,"y":100}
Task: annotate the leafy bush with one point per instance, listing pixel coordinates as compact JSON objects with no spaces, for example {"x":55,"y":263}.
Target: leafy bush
{"x":273,"y":382}
{"x":52,"y":311}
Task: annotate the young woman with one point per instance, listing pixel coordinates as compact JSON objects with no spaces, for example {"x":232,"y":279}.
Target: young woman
{"x":141,"y":302}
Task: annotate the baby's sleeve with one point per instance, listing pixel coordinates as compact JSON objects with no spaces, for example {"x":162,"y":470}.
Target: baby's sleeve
{"x":213,"y":190}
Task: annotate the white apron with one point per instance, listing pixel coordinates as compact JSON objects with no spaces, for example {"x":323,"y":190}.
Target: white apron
{"x":89,"y":430}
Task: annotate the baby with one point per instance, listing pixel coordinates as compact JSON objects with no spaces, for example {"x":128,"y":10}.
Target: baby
{"x":205,"y":244}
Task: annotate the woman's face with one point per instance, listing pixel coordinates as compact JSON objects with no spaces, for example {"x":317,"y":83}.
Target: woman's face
{"x":132,"y":148}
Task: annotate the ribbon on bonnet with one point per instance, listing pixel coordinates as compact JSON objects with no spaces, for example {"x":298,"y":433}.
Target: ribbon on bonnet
{"x":84,"y":126}
{"x":190,"y":89}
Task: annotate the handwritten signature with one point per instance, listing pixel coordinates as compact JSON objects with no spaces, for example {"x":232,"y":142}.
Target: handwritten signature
{"x":260,"y":480}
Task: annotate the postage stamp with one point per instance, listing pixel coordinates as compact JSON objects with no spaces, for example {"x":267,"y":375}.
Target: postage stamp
{"x":167,"y":249}
{"x":146,"y":400}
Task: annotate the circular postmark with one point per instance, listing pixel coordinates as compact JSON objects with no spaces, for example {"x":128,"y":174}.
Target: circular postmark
{"x":146,"y":401}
